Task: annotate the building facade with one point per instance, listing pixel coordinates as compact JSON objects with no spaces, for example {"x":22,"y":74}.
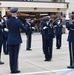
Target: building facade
{"x":71,"y":5}
{"x":35,"y":6}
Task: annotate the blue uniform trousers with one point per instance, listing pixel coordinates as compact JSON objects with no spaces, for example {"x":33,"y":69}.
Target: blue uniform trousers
{"x":47,"y":47}
{"x":71,"y":51}
{"x":28,"y":41}
{"x":58,"y":40}
{"x":13,"y":56}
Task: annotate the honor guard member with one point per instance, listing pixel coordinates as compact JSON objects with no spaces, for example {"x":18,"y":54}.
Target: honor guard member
{"x":70,"y":27}
{"x":5,"y":35}
{"x":14,"y":39}
{"x":1,"y":39}
{"x":47,"y":37}
{"x":29,"y":33}
{"x":58,"y":33}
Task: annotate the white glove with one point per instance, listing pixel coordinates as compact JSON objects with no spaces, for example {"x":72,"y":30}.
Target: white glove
{"x":55,"y":26}
{"x":59,"y":22}
{"x":64,"y":26}
{"x":6,"y":29}
{"x":33,"y":28}
{"x":44,"y":27}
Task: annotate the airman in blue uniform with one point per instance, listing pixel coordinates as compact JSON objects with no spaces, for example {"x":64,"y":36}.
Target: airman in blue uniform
{"x":29,"y":34}
{"x":47,"y":32}
{"x":14,"y":39}
{"x":58,"y":33}
{"x":70,"y":27}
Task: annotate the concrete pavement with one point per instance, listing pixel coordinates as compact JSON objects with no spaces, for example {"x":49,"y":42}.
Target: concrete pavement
{"x":32,"y":62}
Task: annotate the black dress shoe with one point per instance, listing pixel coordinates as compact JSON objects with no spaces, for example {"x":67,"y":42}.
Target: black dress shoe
{"x":70,"y":67}
{"x":28,"y":49}
{"x":58,"y":48}
{"x":1,"y":62}
{"x":15,"y":71}
{"x":47,"y":60}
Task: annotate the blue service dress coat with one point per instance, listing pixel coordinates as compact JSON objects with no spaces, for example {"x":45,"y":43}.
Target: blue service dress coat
{"x":28,"y":34}
{"x":14,"y":36}
{"x":47,"y":32}
{"x":14,"y":40}
{"x":70,"y":27}
{"x":58,"y":28}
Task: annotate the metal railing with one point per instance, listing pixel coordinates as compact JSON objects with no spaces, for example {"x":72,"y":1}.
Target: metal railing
{"x":38,"y":0}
